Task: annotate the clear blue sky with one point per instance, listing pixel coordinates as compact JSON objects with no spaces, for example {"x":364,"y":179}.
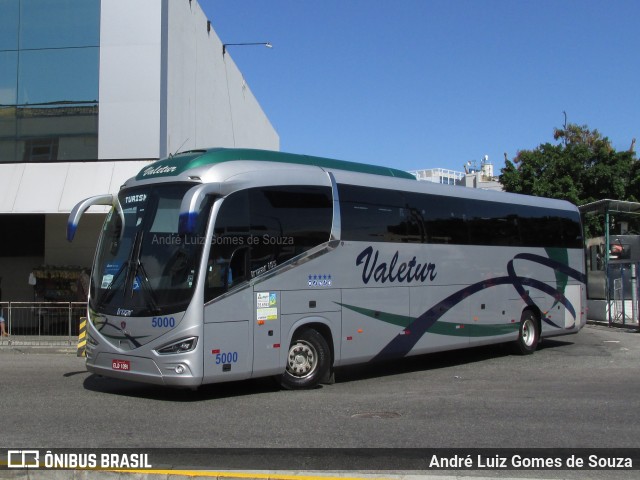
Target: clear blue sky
{"x":425,"y":84}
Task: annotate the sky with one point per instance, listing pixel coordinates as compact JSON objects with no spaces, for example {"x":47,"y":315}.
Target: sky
{"x":416,"y":84}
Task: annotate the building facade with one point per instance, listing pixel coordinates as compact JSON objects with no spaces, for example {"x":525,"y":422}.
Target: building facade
{"x":472,"y":177}
{"x":91,"y":91}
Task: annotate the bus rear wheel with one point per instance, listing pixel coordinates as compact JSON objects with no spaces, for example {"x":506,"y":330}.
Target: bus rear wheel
{"x":529,"y":334}
{"x":308,"y":360}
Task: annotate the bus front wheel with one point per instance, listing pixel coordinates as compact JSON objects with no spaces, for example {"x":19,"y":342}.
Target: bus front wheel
{"x":529,"y":334}
{"x":308,"y":360}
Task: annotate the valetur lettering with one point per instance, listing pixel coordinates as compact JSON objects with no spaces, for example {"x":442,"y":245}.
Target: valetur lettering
{"x":393,"y":272}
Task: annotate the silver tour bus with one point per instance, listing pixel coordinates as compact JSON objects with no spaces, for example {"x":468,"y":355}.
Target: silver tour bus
{"x":228,"y":264}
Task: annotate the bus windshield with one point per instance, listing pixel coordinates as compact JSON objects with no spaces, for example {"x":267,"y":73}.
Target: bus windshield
{"x":144,"y":267}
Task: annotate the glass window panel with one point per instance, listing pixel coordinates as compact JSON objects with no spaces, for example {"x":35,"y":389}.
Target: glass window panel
{"x":443,"y":218}
{"x":68,"y":75}
{"x":9,"y":18}
{"x":59,"y":23}
{"x":8,"y":77}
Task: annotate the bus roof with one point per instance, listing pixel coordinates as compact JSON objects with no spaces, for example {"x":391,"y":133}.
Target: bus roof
{"x":180,"y":163}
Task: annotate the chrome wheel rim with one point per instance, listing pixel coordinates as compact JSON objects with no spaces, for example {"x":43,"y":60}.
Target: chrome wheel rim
{"x":302,"y":360}
{"x":528,"y":332}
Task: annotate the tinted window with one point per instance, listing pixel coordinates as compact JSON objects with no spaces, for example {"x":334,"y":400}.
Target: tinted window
{"x":65,"y":75}
{"x":549,"y":228}
{"x":493,"y":223}
{"x":59,"y":23}
{"x":49,"y":61}
{"x":8,"y":77}
{"x":370,"y":214}
{"x":375,"y":215}
{"x":227,"y":264}
{"x":288,"y":221}
{"x":443,"y":218}
{"x":258,"y":229}
{"x":9,"y":24}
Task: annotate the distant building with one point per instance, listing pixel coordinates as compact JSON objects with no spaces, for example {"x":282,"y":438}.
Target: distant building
{"x":472,"y":177}
{"x":438,"y":175}
{"x":91,"y":91}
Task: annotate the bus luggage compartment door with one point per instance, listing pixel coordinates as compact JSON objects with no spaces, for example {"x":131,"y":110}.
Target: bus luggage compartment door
{"x":226,"y":351}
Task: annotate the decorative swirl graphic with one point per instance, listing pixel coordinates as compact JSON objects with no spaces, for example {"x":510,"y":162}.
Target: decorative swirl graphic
{"x":402,"y":344}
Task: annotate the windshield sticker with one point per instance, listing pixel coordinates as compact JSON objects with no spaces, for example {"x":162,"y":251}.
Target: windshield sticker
{"x":109,"y":272}
{"x":106,"y":281}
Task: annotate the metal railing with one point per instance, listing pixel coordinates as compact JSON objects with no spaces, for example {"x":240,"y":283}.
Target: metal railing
{"x":42,"y":323}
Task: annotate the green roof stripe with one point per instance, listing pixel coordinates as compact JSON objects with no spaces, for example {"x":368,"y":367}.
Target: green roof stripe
{"x":180,"y":163}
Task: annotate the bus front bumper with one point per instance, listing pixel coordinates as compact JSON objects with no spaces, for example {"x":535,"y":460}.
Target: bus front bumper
{"x":141,"y":369}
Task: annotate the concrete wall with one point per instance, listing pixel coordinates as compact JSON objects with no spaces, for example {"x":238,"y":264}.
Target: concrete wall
{"x":208,"y":102}
{"x":165,"y":86}
{"x":130,"y":72}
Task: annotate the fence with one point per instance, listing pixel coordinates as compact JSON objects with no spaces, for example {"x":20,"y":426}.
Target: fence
{"x":42,"y":323}
{"x":623,"y":294}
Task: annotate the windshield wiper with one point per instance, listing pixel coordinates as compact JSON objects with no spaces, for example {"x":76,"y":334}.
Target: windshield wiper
{"x":134,"y":259}
{"x":146,"y":287}
{"x":108,"y":296}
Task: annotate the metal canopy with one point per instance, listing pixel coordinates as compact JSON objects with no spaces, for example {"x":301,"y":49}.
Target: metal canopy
{"x":607,"y":205}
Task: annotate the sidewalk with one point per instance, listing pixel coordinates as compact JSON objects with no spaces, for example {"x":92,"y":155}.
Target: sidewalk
{"x":39,"y":344}
{"x":69,"y":345}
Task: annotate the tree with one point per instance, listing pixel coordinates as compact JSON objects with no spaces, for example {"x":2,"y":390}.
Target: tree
{"x":582,"y":168}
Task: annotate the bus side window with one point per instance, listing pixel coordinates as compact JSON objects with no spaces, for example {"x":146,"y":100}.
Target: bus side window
{"x":237,"y":270}
{"x":375,"y":214}
{"x":286,"y":221}
{"x":226,"y":266}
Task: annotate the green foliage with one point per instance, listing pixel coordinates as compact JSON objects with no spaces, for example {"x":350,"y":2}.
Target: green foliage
{"x":582,"y":168}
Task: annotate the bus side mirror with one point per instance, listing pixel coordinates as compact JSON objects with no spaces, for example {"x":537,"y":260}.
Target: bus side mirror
{"x":80,"y":208}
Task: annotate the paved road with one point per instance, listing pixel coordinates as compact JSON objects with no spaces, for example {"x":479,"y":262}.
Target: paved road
{"x":576,"y":391}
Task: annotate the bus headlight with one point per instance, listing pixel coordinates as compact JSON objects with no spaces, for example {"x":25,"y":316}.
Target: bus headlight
{"x":181,"y":346}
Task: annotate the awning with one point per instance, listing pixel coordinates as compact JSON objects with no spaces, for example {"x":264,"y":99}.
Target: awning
{"x":607,"y":205}
{"x":57,"y":187}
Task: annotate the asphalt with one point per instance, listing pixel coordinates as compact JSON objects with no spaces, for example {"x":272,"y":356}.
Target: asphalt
{"x":20,"y":345}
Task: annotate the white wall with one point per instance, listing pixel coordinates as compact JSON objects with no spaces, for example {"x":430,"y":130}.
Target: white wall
{"x":130,"y":73}
{"x":209,"y":103}
{"x":154,"y":102}
{"x":57,"y":187}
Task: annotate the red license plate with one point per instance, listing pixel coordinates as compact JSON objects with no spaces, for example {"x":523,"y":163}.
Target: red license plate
{"x":121,"y":365}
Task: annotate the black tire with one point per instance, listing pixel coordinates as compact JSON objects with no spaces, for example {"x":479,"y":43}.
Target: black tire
{"x":529,"y":333}
{"x":308,"y":361}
